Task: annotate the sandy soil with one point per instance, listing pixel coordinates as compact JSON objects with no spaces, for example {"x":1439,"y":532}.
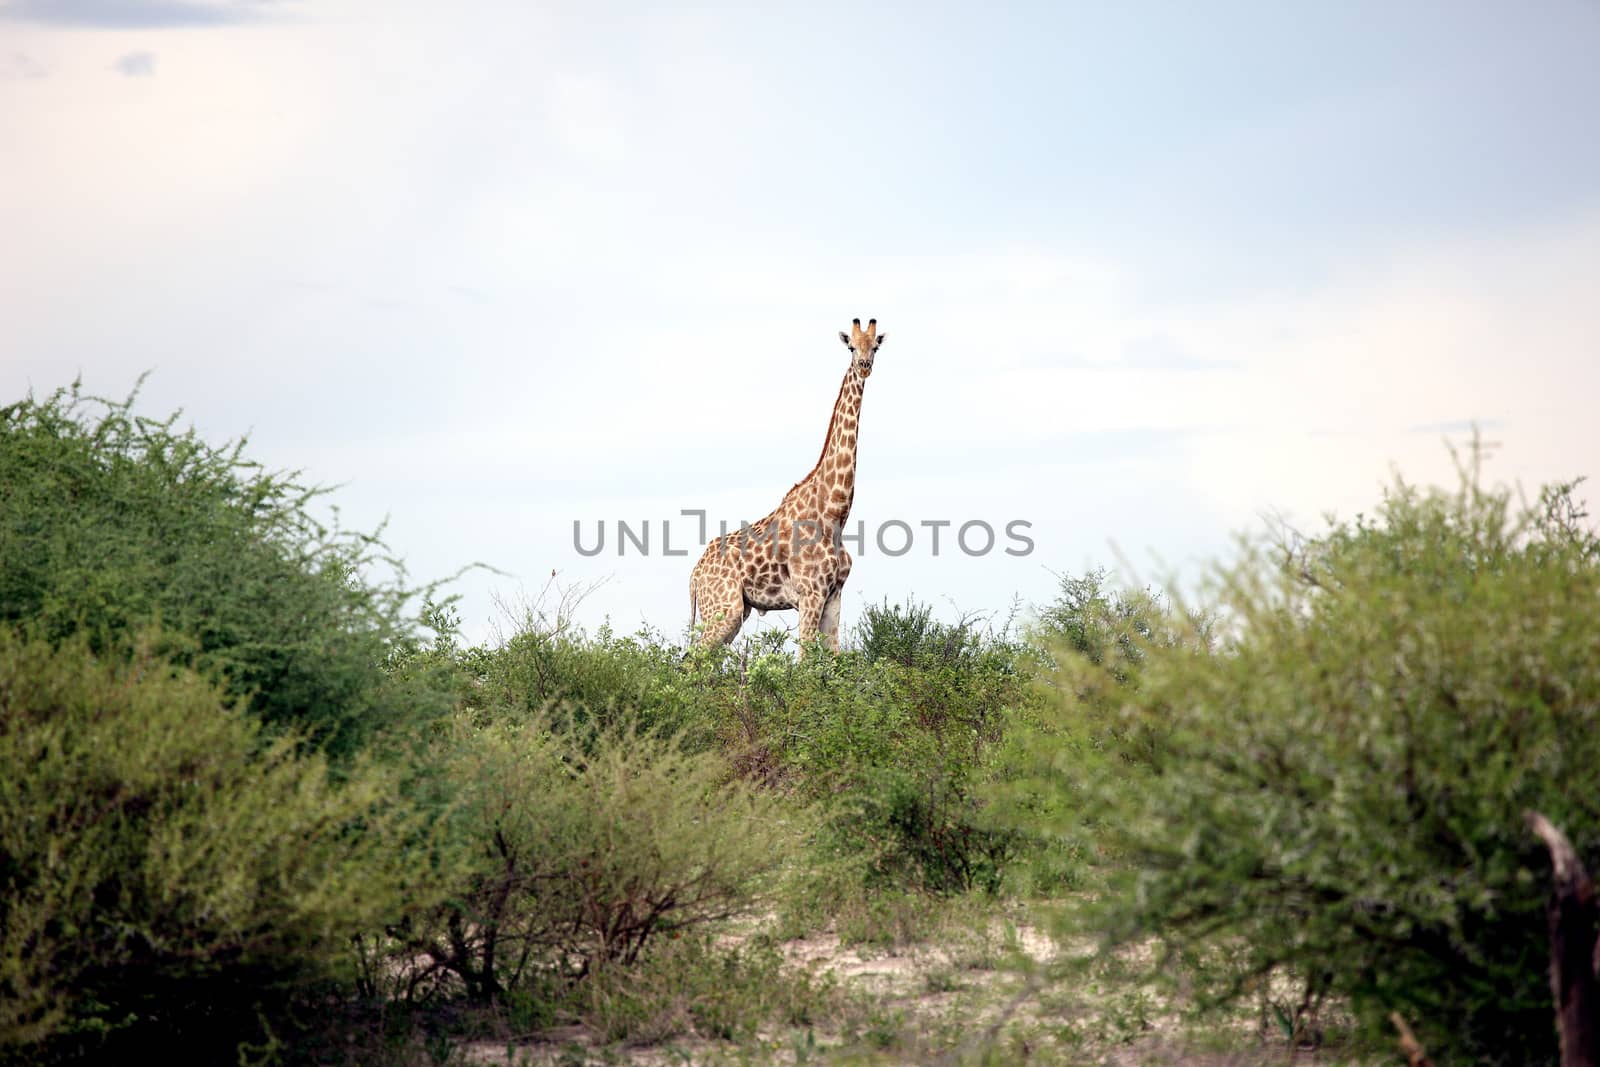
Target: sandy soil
{"x":944,"y":1001}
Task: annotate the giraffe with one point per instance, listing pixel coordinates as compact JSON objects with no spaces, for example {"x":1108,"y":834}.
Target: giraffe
{"x":793,"y":557}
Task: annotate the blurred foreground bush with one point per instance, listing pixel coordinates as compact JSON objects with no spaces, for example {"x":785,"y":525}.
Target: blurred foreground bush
{"x":168,"y":873}
{"x":1338,"y":792}
{"x":112,"y":522}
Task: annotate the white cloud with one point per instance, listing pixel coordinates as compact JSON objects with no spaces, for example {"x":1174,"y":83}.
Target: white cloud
{"x":586,"y":116}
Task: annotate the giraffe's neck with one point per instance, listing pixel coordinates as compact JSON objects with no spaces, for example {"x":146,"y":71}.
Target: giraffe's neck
{"x":833,"y":480}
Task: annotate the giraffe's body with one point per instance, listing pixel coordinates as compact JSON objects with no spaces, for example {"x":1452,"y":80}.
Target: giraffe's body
{"x":793,"y":558}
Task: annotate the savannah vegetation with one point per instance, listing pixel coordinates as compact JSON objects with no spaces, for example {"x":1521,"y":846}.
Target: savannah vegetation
{"x":262,"y":803}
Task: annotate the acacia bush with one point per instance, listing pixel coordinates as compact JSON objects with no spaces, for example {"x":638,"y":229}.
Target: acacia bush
{"x":586,"y":846}
{"x":600,"y":680}
{"x":112,"y":522}
{"x":894,"y":738}
{"x":1092,"y":641}
{"x":1337,"y":793}
{"x":166,"y":871}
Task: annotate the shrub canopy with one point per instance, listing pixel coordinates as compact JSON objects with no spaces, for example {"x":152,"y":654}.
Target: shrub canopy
{"x":586,"y":844}
{"x":1340,"y":791}
{"x":112,"y":523}
{"x":164,"y":868}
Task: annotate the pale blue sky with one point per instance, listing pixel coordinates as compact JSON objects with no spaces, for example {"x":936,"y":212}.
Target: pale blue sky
{"x":1149,"y":271}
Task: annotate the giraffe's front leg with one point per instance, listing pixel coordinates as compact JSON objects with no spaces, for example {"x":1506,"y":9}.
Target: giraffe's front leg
{"x":723,"y":609}
{"x":723,"y":622}
{"x":811,"y":607}
{"x":830,"y":619}
{"x":830,"y":608}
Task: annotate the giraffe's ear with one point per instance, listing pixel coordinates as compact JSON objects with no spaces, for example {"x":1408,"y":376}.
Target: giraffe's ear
{"x":844,"y":337}
{"x":882,"y":337}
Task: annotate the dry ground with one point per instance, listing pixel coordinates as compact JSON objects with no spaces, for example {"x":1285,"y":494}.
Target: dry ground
{"x":999,"y":996}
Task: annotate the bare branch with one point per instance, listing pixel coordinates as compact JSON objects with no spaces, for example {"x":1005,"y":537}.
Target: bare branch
{"x":1416,"y":1055}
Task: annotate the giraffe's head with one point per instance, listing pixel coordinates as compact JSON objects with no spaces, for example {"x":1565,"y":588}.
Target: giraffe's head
{"x":863,"y":344}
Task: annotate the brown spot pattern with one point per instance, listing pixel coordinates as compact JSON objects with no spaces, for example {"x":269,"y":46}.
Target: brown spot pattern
{"x":793,"y":557}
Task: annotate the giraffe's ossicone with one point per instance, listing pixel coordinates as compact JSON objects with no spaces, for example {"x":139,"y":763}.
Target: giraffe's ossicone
{"x":794,"y":557}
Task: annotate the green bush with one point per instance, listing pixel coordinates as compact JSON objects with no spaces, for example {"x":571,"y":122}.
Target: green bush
{"x":1338,"y":793}
{"x":893,"y":739}
{"x":1093,"y":640}
{"x":166,"y":872}
{"x":599,"y":680}
{"x":911,"y":636}
{"x":112,"y":522}
{"x":589,"y":846}
{"x":695,"y":985}
{"x":1112,"y":629}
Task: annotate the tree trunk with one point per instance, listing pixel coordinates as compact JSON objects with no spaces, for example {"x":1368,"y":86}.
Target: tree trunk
{"x":1572,"y":948}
